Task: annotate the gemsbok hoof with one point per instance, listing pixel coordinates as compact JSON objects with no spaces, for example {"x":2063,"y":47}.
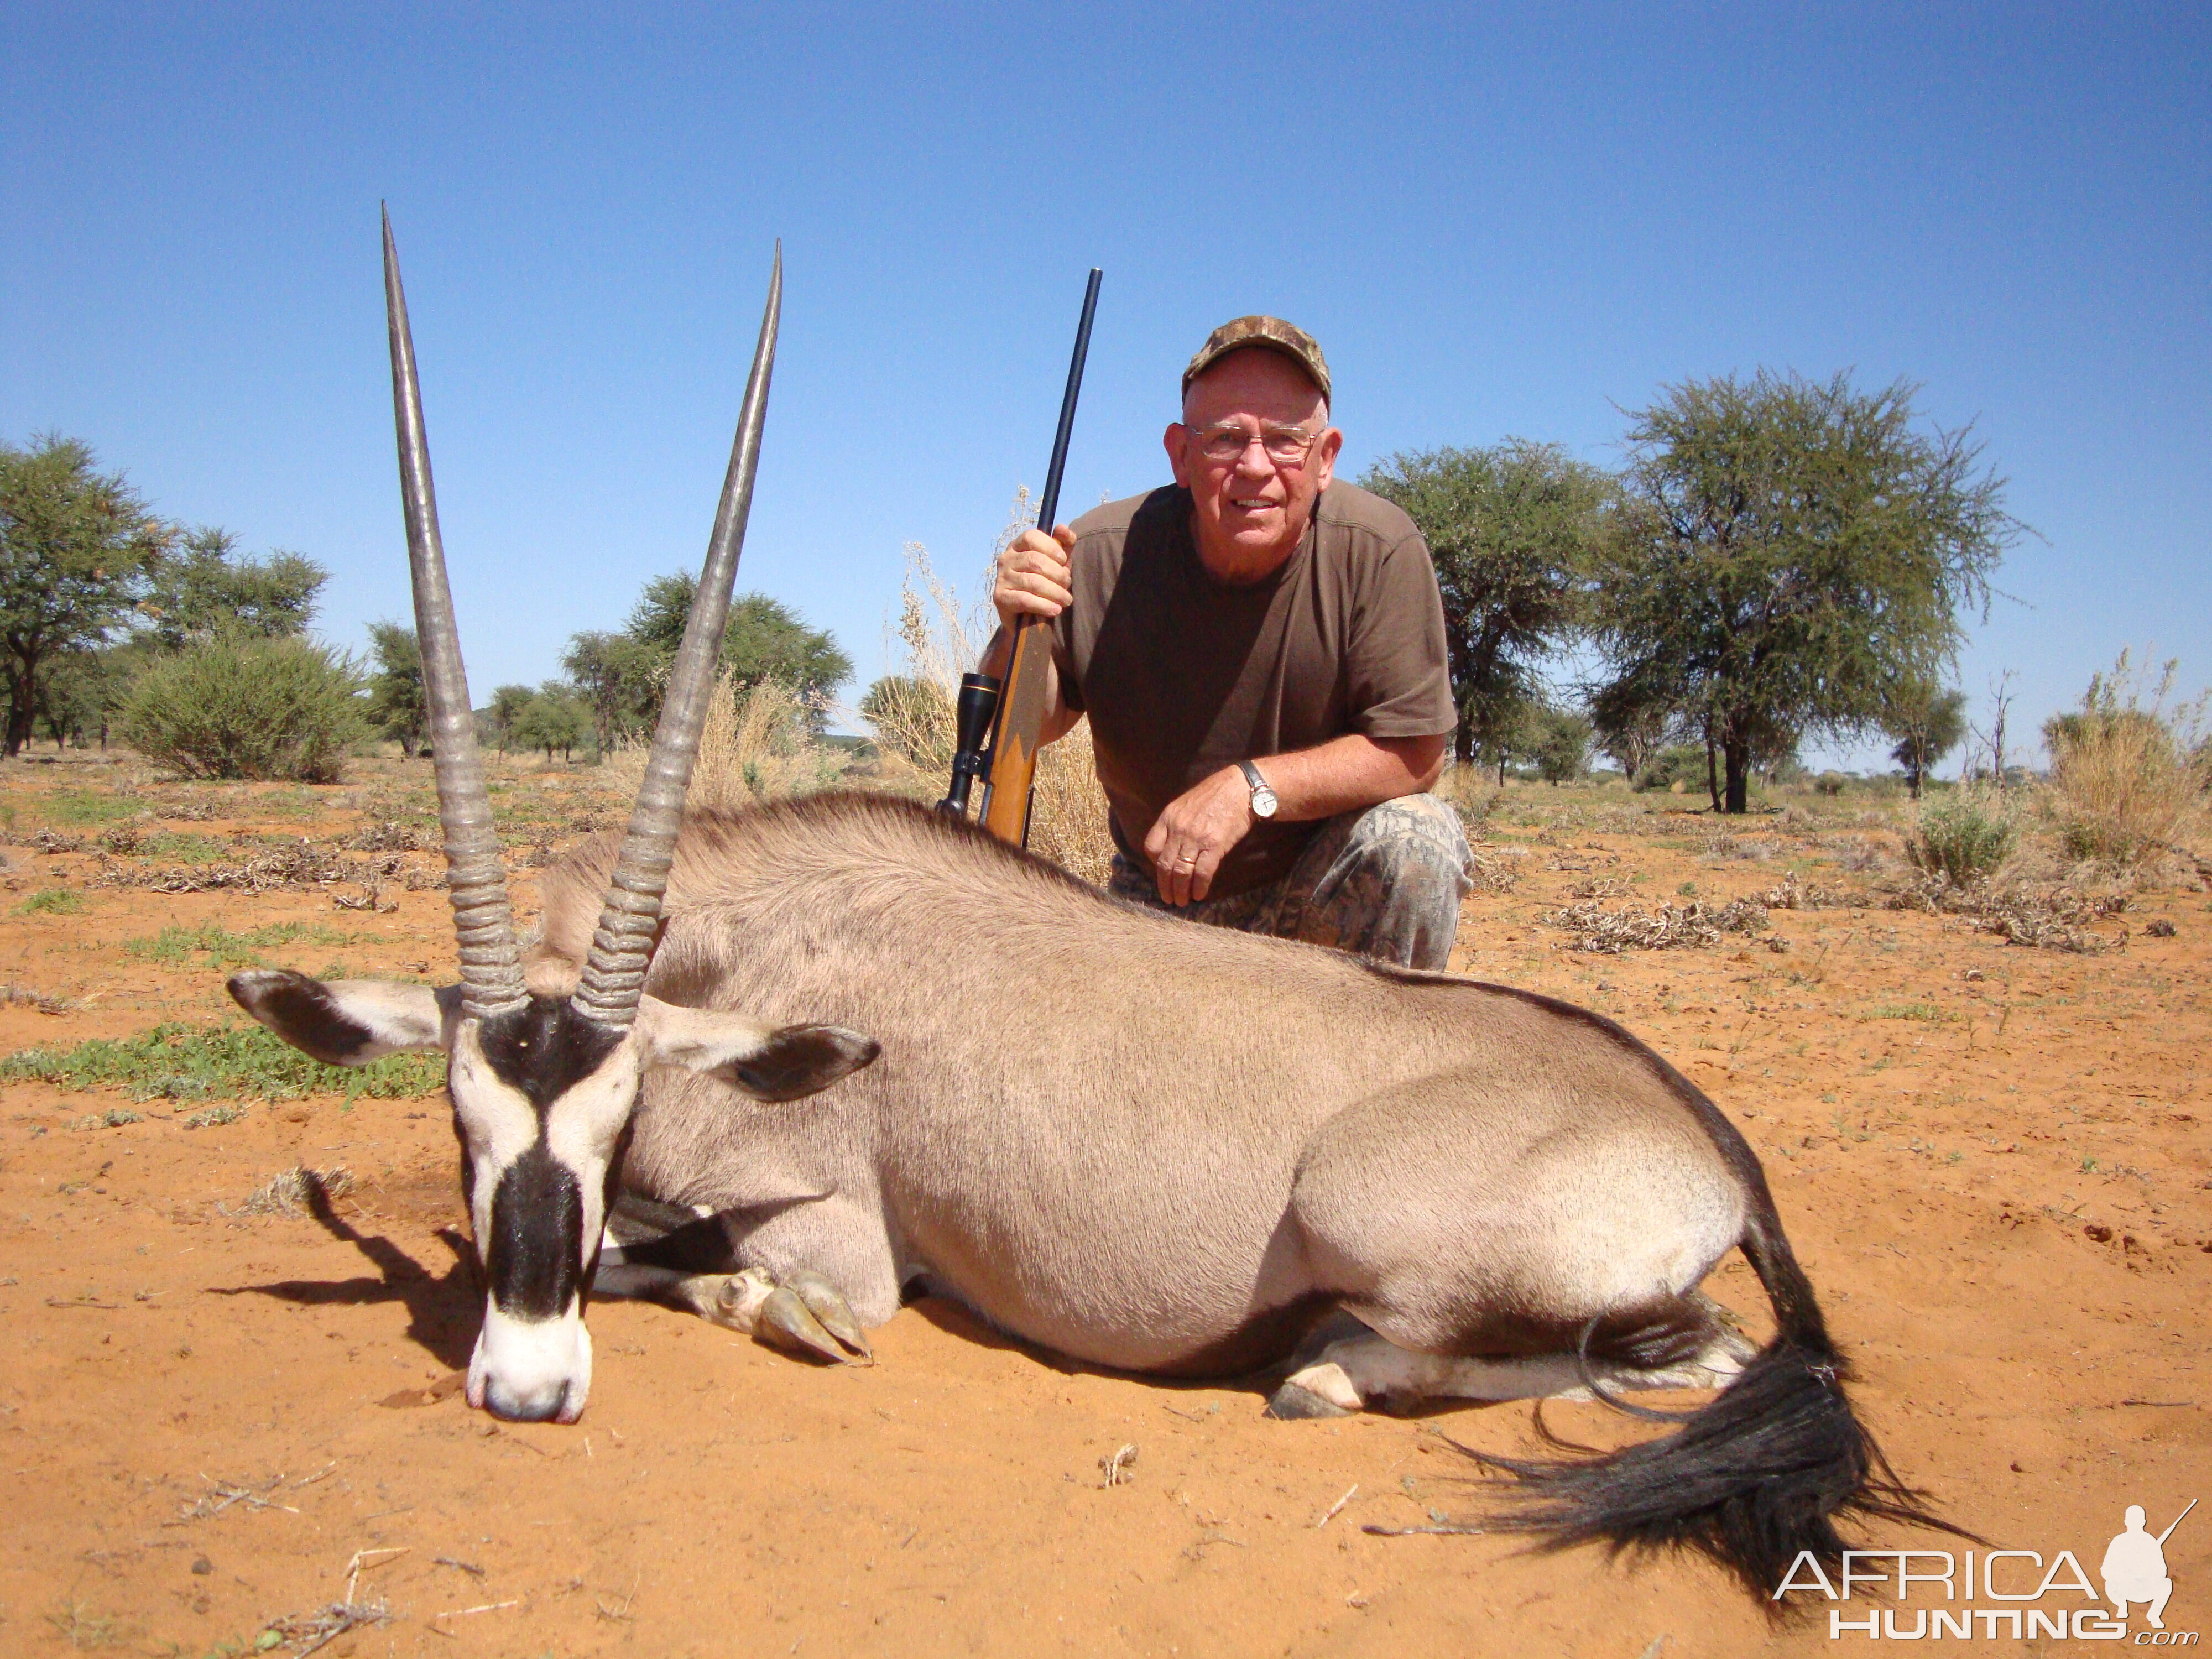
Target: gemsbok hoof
{"x":1293,"y":1401}
{"x":788,"y":1323}
{"x":828,"y":1306}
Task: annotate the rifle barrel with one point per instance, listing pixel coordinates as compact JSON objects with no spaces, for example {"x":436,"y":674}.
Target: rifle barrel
{"x":1009,"y":772}
{"x":2178,"y":1520}
{"x":1048,"y":503}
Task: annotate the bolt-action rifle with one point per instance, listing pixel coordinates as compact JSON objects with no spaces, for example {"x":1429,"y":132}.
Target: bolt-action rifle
{"x":1009,"y":713}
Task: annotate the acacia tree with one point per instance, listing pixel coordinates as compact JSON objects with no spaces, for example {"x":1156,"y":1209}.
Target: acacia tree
{"x":1559,"y":743}
{"x":1631,"y":723}
{"x":763,"y":640}
{"x":553,"y":719}
{"x":396,"y":703}
{"x":1513,"y":531}
{"x":1788,"y":555}
{"x":618,"y":679}
{"x":75,"y":544}
{"x":205,"y":587}
{"x":496,"y":718}
{"x":1928,"y":723}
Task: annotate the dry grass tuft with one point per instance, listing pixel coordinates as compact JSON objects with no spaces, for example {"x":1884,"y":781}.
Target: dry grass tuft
{"x":296,"y":1190}
{"x":2129,"y":773}
{"x":304,"y":1633}
{"x":1490,"y":869}
{"x":81,"y":1627}
{"x":914,"y":723}
{"x":22,"y":996}
{"x":2040,"y":915}
{"x":939,"y":640}
{"x":757,"y":744}
{"x":1792,"y":893}
{"x":1609,"y":933}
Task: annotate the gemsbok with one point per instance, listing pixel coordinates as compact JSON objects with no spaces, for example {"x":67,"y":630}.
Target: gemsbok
{"x":1145,"y":1145}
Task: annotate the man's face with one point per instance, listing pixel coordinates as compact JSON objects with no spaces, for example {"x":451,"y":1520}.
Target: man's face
{"x":1251,"y":508}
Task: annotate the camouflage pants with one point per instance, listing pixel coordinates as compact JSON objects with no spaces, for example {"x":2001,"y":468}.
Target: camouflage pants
{"x":1384,"y":882}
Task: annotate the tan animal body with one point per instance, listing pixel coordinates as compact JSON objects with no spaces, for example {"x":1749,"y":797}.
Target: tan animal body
{"x":1157,"y":1147}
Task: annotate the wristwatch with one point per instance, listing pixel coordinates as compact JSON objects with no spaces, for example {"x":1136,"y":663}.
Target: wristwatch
{"x":1263,"y":798}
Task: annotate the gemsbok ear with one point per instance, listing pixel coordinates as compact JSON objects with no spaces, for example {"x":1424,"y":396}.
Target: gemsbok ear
{"x":786,"y":1063}
{"x":348,"y":1022}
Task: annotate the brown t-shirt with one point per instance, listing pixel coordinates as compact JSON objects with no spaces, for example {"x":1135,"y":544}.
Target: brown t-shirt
{"x":1181,"y":675}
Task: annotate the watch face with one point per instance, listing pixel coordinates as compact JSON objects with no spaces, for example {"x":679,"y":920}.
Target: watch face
{"x":1263,"y":802}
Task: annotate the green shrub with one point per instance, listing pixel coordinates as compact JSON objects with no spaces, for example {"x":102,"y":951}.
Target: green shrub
{"x":1678,"y":763}
{"x":1962,"y":836}
{"x":53,"y":902}
{"x":238,"y":708}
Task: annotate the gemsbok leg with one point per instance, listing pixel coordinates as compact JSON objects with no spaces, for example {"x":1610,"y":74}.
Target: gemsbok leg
{"x":1570,"y":1252}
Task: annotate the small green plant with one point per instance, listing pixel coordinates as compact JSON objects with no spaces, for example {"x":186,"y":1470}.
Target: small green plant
{"x":1927,"y":1012}
{"x":1963,"y":836}
{"x":86,"y":1631}
{"x":183,"y":849}
{"x":179,"y":946}
{"x":114,"y":1118}
{"x":53,"y":902}
{"x":175,"y":1061}
{"x":82,"y":806}
{"x":215,"y":1117}
{"x":1687,"y":890}
{"x":238,"y":708}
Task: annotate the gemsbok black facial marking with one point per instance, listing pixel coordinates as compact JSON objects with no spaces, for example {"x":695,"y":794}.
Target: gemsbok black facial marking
{"x":536,"y":1258}
{"x":545,"y":1048}
{"x":533,"y":1261}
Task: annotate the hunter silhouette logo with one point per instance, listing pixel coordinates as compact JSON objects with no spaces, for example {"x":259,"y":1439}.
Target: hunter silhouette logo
{"x":2135,"y":1567}
{"x":2016,"y":1581}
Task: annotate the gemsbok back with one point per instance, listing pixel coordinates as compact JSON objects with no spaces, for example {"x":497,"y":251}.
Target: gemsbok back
{"x":1206,"y":1154}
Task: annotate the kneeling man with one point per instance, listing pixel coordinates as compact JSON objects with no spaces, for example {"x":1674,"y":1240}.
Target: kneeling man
{"x":2134,"y":1569}
{"x":1261,"y":651}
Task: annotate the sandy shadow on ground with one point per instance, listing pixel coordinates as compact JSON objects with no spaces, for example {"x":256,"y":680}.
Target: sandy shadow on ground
{"x":441,"y":1308}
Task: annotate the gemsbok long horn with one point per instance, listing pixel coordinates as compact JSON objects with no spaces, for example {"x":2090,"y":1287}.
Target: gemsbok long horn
{"x":491,"y":970}
{"x":622,"y":946}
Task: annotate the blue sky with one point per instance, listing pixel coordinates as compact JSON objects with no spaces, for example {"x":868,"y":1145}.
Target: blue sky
{"x":1511,"y":221}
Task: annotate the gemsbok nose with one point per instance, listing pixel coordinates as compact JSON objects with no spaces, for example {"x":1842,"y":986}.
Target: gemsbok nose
{"x":532,"y":1371}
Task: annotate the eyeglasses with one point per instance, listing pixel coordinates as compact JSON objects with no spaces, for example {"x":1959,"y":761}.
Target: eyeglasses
{"x":1286,"y":446}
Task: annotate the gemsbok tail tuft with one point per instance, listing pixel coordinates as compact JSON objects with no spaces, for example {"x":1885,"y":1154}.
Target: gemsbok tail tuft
{"x":1750,"y":1480}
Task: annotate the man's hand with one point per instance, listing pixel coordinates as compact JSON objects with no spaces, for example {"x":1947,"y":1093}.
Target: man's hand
{"x":1033,"y":576}
{"x":1190,"y":838}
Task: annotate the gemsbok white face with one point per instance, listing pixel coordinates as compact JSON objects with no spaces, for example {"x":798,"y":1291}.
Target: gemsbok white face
{"x":542,"y":1101}
{"x":543,"y":1089}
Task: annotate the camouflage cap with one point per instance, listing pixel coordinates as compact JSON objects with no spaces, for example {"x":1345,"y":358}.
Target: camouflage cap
{"x":1269,"y":333}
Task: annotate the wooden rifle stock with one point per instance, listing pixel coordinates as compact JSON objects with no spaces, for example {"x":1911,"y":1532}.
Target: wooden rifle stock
{"x":1011,"y":772}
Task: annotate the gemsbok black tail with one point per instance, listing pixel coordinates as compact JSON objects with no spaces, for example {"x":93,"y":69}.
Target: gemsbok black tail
{"x":1750,"y":1480}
